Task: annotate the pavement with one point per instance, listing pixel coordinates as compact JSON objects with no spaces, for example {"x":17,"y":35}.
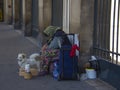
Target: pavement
{"x":13,"y":42}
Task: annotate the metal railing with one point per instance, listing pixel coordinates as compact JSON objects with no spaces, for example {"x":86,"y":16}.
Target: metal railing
{"x":106,"y":30}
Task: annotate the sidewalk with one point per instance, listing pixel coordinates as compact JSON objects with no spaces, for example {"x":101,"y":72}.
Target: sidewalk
{"x":13,"y":42}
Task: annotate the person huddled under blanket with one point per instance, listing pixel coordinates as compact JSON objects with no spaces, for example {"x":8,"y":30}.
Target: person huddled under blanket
{"x":50,"y":51}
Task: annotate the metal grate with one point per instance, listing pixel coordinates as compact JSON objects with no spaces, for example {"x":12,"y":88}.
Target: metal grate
{"x":106,"y":30}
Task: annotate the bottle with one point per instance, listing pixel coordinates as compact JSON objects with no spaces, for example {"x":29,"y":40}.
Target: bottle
{"x":27,"y":74}
{"x":27,"y":68}
{"x":55,"y":71}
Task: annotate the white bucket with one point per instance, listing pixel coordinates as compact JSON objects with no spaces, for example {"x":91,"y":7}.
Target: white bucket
{"x":91,"y":73}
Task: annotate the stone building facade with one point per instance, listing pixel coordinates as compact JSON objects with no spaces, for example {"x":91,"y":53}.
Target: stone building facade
{"x":91,"y":19}
{"x":74,"y":16}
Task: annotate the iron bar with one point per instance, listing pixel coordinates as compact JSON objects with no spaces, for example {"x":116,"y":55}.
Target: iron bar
{"x":95,"y":22}
{"x":117,"y":34}
{"x":113,"y":31}
{"x":106,"y":24}
{"x":100,"y":22}
{"x":107,"y":27}
{"x":106,"y":51}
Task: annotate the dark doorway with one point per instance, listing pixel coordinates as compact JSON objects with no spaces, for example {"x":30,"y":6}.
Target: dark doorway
{"x":20,"y":14}
{"x":1,"y":11}
{"x":57,"y":12}
{"x":35,"y":27}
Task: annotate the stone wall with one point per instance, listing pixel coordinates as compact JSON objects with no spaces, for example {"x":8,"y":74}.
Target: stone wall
{"x":8,"y":11}
{"x":16,"y":10}
{"x":75,"y":16}
{"x":28,"y":5}
{"x":17,"y":14}
{"x":81,"y":21}
{"x":44,"y":13}
{"x":27,"y":17}
{"x":86,"y":25}
{"x":44,"y":8}
{"x":47,"y":12}
{"x":86,"y":29}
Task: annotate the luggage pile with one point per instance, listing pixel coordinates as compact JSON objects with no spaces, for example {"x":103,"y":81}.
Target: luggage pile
{"x":61,"y":54}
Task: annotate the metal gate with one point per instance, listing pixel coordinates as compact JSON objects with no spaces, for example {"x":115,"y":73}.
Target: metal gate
{"x":57,"y":12}
{"x":35,"y":27}
{"x":1,"y":10}
{"x":106,"y":43}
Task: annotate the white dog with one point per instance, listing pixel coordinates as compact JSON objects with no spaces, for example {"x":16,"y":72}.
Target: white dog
{"x":33,"y":60}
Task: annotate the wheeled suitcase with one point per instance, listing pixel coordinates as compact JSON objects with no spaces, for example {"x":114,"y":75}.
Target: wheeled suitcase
{"x":67,"y":66}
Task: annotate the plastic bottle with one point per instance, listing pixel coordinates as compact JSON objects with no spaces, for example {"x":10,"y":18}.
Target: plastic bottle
{"x":27,"y":68}
{"x":55,"y":71}
{"x":27,"y":74}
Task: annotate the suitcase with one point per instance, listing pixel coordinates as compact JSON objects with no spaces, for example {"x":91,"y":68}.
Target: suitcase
{"x":67,"y":66}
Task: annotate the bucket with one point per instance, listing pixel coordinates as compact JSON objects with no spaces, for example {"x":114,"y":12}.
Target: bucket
{"x":27,"y":76}
{"x":91,"y":73}
{"x":21,"y":72}
{"x":34,"y":72}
